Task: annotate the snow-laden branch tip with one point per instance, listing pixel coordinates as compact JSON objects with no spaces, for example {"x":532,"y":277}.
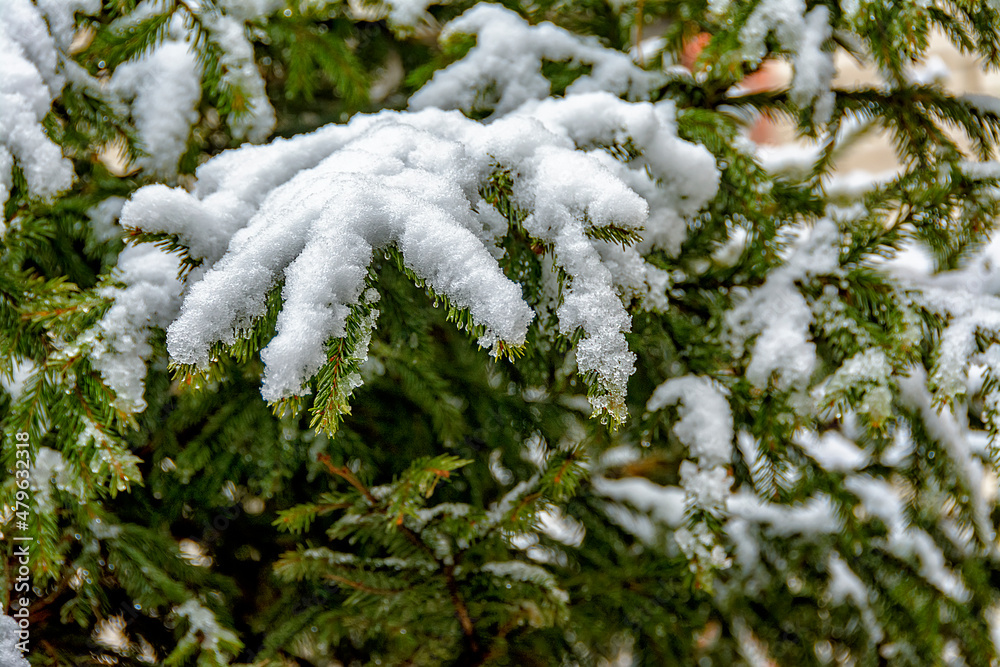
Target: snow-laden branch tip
{"x":414,"y":181}
{"x":33,"y":39}
{"x":705,"y":426}
{"x":312,"y":212}
{"x":803,"y":34}
{"x":504,"y":69}
{"x":778,"y":316}
{"x":162,"y":89}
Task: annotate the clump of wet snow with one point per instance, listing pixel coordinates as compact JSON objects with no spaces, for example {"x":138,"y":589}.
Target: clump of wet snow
{"x":33,"y":39}
{"x":412,"y":181}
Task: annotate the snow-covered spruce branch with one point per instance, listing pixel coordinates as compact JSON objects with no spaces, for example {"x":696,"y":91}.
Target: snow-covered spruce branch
{"x":504,"y":69}
{"x":159,"y":55}
{"x":419,"y":182}
{"x":160,"y":58}
{"x":34,"y":39}
{"x":815,"y":445}
{"x":312,"y":212}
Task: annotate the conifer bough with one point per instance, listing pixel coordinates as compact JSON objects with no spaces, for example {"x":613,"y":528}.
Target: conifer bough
{"x":532,"y":358}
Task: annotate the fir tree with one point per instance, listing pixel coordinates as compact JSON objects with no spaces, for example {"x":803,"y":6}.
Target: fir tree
{"x":499,"y":342}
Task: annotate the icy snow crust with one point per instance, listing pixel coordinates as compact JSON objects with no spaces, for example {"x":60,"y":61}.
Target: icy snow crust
{"x":313,"y":211}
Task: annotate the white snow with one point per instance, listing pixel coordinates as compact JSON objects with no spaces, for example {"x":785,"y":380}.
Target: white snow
{"x":832,"y":450}
{"x":48,"y":467}
{"x":706,"y":427}
{"x":163,"y":89}
{"x":868,"y":372}
{"x":21,"y":372}
{"x":31,"y":77}
{"x":61,"y":17}
{"x":634,"y":523}
{"x":528,"y":573}
{"x":756,"y":464}
{"x":164,"y":86}
{"x":320,"y":231}
{"x":506,"y":503}
{"x":205,"y":629}
{"x":104,"y":530}
{"x":846,"y":585}
{"x":411,"y":180}
{"x":229,"y":190}
{"x":10,"y":656}
{"x":993,"y":618}
{"x":120,"y":342}
{"x":983,"y":103}
{"x":504,"y":69}
{"x":815,"y":516}
{"x":561,"y":527}
{"x":316,"y":213}
{"x":901,"y":448}
{"x":684,"y":175}
{"x":945,"y":427}
{"x":913,"y":260}
{"x":6,"y":180}
{"x":408,"y":13}
{"x":104,"y":218}
{"x":779,"y":316}
{"x":663,"y":503}
{"x":905,"y":541}
{"x":254,"y":116}
{"x":803,"y":35}
{"x":934,"y":70}
{"x":752,"y":648}
{"x":700,"y":545}
{"x":251,"y":10}
{"x":706,"y":488}
{"x":965,"y":299}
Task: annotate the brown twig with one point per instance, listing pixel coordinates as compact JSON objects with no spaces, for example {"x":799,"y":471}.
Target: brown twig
{"x":42,"y":603}
{"x":358,"y":585}
{"x":51,"y":651}
{"x":448,"y":570}
{"x":49,"y":313}
{"x":461,"y":611}
{"x":345,"y":473}
{"x":562,"y":469}
{"x":530,"y":498}
{"x":504,"y":630}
